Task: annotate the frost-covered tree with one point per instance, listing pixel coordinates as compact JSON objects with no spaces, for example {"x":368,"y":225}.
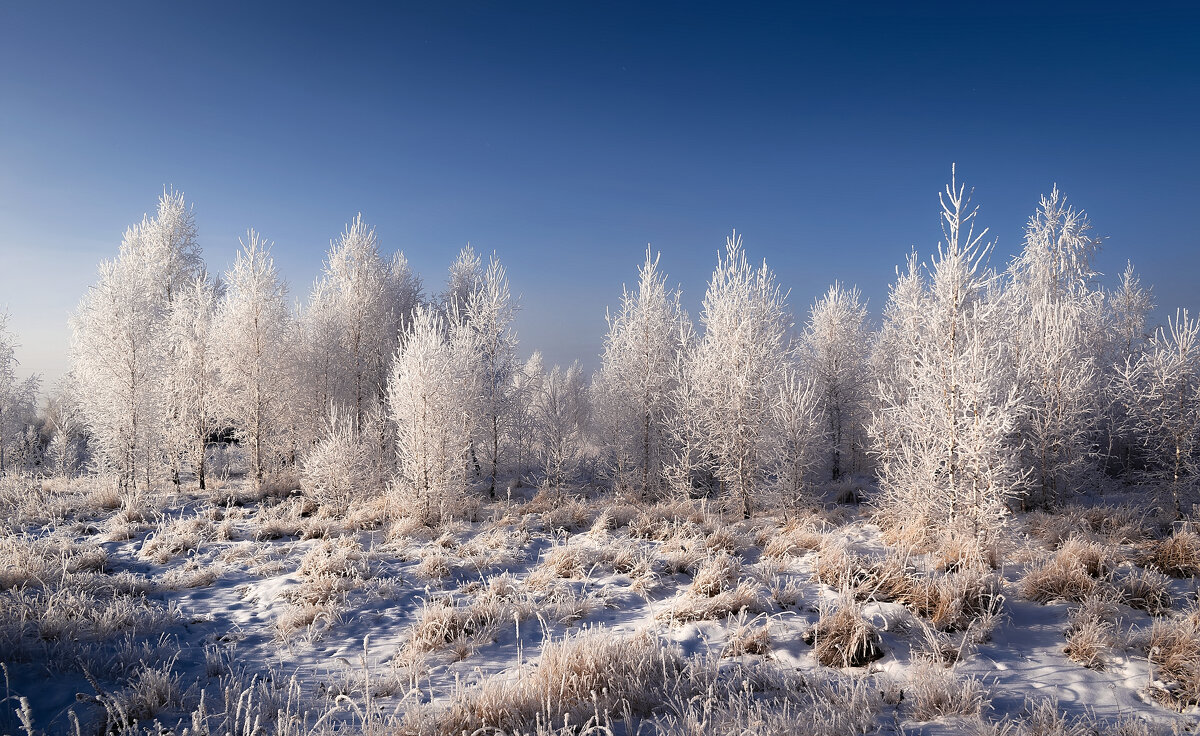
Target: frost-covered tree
{"x":636,"y":379}
{"x":737,"y":368}
{"x":18,"y":399}
{"x":118,"y":333}
{"x":66,"y":448}
{"x":320,"y":377}
{"x":430,"y":393}
{"x":354,"y":297}
{"x":488,"y":311}
{"x":1125,"y":341}
{"x":1162,"y":392}
{"x":1054,"y":331}
{"x":562,"y":411}
{"x":1129,"y":306}
{"x":253,"y":336}
{"x":348,"y":333}
{"x":836,"y":349}
{"x":191,"y":375}
{"x":522,"y":428}
{"x":687,"y":471}
{"x":799,"y":443}
{"x":944,"y":432}
{"x":337,"y":469}
{"x":465,"y":274}
{"x":169,"y":240}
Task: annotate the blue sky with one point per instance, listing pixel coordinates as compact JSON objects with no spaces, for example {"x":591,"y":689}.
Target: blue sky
{"x":566,"y":137}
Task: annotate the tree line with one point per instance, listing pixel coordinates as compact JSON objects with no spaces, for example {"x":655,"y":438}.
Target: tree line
{"x":985,"y":387}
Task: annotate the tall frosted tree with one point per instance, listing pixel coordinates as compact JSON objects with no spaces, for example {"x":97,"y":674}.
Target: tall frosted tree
{"x":191,"y":375}
{"x":253,"y":337}
{"x":945,"y":429}
{"x":799,"y":442}
{"x":348,"y":332}
{"x":489,"y":312}
{"x":738,"y":367}
{"x":1054,"y":330}
{"x":18,"y":398}
{"x":1125,"y":341}
{"x":835,"y":351}
{"x":169,"y":240}
{"x":117,"y":347}
{"x":636,"y":379}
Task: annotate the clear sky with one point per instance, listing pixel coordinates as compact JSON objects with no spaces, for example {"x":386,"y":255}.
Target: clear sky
{"x":567,"y":136}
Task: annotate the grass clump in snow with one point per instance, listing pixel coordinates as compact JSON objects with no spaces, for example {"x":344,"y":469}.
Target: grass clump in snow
{"x":842,"y":637}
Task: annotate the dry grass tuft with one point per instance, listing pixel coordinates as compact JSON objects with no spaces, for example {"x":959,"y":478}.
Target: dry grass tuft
{"x":935,"y":692}
{"x":1178,"y":555}
{"x":690,"y":607}
{"x":576,"y":678}
{"x":842,"y":637}
{"x":751,"y":636}
{"x":970,"y":599}
{"x":795,"y":539}
{"x":1174,"y":654}
{"x":1058,"y":579}
{"x":1096,"y":559}
{"x":1093,"y":630}
{"x":1146,"y":590}
{"x":718,"y":573}
{"x":1089,"y":642}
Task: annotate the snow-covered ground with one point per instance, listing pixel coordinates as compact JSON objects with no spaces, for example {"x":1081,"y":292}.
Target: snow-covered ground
{"x":221,"y":609}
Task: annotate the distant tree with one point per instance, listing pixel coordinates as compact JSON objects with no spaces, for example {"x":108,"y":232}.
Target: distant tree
{"x":67,"y":442}
{"x":1129,"y":307}
{"x":945,"y":430}
{"x":562,"y":410}
{"x":1162,"y":394}
{"x":687,"y":471}
{"x":636,"y":379}
{"x":253,"y":336}
{"x":522,"y":429}
{"x":18,"y":399}
{"x":738,"y":367}
{"x":835,"y":351}
{"x":430,"y":393}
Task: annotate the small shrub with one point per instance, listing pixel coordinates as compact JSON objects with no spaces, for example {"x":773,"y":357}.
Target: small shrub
{"x":338,"y":471}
